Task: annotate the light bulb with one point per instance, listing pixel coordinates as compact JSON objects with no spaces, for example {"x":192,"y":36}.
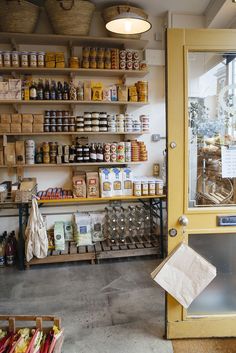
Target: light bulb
{"x":127,"y":26}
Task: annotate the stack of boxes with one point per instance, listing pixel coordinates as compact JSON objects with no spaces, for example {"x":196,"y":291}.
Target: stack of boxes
{"x":18,"y":123}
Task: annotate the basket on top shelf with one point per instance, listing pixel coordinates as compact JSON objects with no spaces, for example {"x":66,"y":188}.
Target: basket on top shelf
{"x":70,"y":16}
{"x":18,"y":16}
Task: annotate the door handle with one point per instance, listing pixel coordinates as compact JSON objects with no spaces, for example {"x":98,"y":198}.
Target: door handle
{"x":183,"y":220}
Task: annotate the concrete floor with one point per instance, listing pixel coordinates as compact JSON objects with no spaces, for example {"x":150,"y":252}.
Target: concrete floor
{"x":113,"y":307}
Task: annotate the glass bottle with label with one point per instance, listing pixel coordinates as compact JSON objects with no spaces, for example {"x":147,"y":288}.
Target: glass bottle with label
{"x":53,"y":92}
{"x":40,"y":90}
{"x":65,"y":94}
{"x":10,"y":252}
{"x":93,"y":153}
{"x":100,"y":156}
{"x":47,"y":91}
{"x":59,"y":91}
{"x":33,"y":91}
{"x":2,"y":252}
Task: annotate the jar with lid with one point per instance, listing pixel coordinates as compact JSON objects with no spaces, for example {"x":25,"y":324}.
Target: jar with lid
{"x":100,"y":64}
{"x":85,"y":52}
{"x":107,"y":53}
{"x":41,"y":59}
{"x":100,"y":53}
{"x":33,"y":59}
{"x":39,"y":156}
{"x":144,"y":188}
{"x":93,"y":64}
{"x":46,"y":158}
{"x":85,"y":64}
{"x":46,"y":147}
{"x":7,"y":58}
{"x":15,"y":59}
{"x":74,"y":62}
{"x":151,"y":187}
{"x":24,"y":59}
{"x":100,"y":156}
{"x":137,"y":188}
{"x":93,"y":53}
{"x":107,"y":64}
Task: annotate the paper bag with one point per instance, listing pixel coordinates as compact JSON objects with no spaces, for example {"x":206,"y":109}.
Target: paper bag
{"x":184,"y":274}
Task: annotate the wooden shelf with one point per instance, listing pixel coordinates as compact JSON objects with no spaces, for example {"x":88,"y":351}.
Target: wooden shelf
{"x":71,"y":133}
{"x":70,"y":164}
{"x":79,"y":72}
{"x":70,"y":40}
{"x":101,"y":199}
{"x":50,"y":102}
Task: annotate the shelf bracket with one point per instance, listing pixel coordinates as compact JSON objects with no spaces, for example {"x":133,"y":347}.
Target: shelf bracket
{"x":14,"y":45}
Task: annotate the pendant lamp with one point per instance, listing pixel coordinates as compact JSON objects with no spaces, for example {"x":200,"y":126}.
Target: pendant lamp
{"x":126,"y":20}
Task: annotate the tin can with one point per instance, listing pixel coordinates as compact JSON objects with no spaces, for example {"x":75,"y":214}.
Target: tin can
{"x":113,"y":147}
{"x":107,"y":157}
{"x":129,"y":55}
{"x":135,"y":65}
{"x":15,"y":59}
{"x":113,"y":157}
{"x":107,"y":147}
{"x":122,"y":64}
{"x":24,"y":59}
{"x":129,"y":65}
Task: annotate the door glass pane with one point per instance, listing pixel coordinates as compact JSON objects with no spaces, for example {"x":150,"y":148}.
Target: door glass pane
{"x":219,"y":296}
{"x":212,"y":129}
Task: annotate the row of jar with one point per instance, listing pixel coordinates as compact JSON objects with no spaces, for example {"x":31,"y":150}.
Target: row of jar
{"x":23,"y":59}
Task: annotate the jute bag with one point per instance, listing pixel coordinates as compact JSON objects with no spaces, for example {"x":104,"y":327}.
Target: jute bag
{"x":70,"y":16}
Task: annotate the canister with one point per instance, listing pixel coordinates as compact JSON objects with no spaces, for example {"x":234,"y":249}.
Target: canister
{"x":151,"y":187}
{"x":137,"y":188}
{"x":15,"y":59}
{"x":144,"y":188}
{"x":41,"y":59}
{"x":24,"y":59}
{"x":7,"y":58}
{"x":33,"y":59}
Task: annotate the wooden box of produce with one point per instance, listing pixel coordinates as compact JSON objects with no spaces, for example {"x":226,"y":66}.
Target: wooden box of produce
{"x":30,"y":334}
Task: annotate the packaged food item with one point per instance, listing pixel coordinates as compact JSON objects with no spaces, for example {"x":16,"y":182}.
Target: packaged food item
{"x":97,"y":225}
{"x":33,"y":59}
{"x":122,"y":93}
{"x":27,"y":127}
{"x":117,"y":181}
{"x":50,"y":60}
{"x":5,"y":127}
{"x":133,"y":94}
{"x":127,"y":181}
{"x":68,"y":231}
{"x":20,"y":152}
{"x":15,"y":59}
{"x":80,"y":91}
{"x":137,"y":188}
{"x":159,"y":187}
{"x":27,"y":118}
{"x":59,"y":236}
{"x":6,"y":118}
{"x":107,"y":94}
{"x":82,"y":227}
{"x":41,"y":59}
{"x":151,"y":187}
{"x":92,"y":184}
{"x":87,"y":91}
{"x":38,"y":128}
{"x":16,"y":127}
{"x":79,"y":185}
{"x":97,"y":91}
{"x":60,"y":60}
{"x":10,"y":153}
{"x":105,"y":176}
{"x":74,"y":62}
{"x":16,"y":118}
{"x":38,"y":119}
{"x":114,"y":96}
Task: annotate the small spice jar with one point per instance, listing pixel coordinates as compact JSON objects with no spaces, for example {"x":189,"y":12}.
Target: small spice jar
{"x":15,"y":59}
{"x":151,"y":187}
{"x":137,"y":188}
{"x":33,"y":59}
{"x":41,"y":59}
{"x":24,"y":59}
{"x":144,"y":188}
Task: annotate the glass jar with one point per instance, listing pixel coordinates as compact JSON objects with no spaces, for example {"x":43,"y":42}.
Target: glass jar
{"x":41,"y":59}
{"x":7,"y":59}
{"x":74,"y":62}
{"x":144,"y":188}
{"x":151,"y":187}
{"x":24,"y":59}
{"x":15,"y":59}
{"x":33,"y":59}
{"x":137,"y":188}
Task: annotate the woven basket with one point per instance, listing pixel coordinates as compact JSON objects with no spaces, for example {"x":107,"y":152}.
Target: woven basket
{"x":70,"y":16}
{"x":18,"y":16}
{"x":110,"y":13}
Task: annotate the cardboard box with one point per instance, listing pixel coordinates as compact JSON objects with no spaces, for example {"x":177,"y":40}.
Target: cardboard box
{"x":27,"y":127}
{"x":5,"y":128}
{"x":20,"y":152}
{"x":16,"y":127}
{"x":27,"y":118}
{"x":10,"y":153}
{"x":105,"y":176}
{"x":127,"y":181}
{"x":5,"y":118}
{"x":13,"y":95}
{"x":4,"y":87}
{"x":38,"y":127}
{"x":38,"y":119}
{"x":16,"y":118}
{"x":117,"y":182}
{"x":92,"y":182}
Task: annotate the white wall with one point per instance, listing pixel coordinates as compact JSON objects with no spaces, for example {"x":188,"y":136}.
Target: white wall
{"x":61,"y":177}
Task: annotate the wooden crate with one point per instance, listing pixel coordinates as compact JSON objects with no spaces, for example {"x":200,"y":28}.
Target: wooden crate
{"x":11,"y":321}
{"x":71,"y":253}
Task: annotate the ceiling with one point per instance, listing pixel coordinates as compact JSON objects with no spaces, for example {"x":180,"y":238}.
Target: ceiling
{"x":159,"y":7}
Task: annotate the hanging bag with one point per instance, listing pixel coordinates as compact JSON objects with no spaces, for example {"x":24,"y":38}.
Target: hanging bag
{"x":36,"y":234}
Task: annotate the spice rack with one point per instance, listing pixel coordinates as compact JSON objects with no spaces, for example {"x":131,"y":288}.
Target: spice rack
{"x":102,"y":250}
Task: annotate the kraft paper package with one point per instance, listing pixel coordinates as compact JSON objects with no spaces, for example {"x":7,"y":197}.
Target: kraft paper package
{"x":184,"y":274}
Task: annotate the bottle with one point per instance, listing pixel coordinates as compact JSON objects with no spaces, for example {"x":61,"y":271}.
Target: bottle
{"x":53,"y":91}
{"x":10,"y":251}
{"x":59,"y":91}
{"x":99,"y":153}
{"x":93,"y":153}
{"x":33,"y":91}
{"x":2,"y":252}
{"x":40,"y":89}
{"x":86,"y":153}
{"x":65,"y":94}
{"x":47,"y":91}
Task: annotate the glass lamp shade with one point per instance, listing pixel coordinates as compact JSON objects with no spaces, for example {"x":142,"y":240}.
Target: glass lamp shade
{"x":128,"y":23}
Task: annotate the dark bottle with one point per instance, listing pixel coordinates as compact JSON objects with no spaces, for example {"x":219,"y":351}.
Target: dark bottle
{"x":40,"y":90}
{"x":79,"y":153}
{"x":100,"y":155}
{"x":2,"y":251}
{"x":47,"y":91}
{"x":53,"y":91}
{"x":10,"y":251}
{"x":86,"y":153}
{"x":59,"y":91}
{"x":33,"y":91}
{"x":93,"y":153}
{"x":65,"y":93}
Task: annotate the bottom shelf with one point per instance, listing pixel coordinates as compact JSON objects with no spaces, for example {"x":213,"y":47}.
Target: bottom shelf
{"x":138,"y":246}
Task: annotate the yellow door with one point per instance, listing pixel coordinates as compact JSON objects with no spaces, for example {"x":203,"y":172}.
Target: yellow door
{"x":201,"y":108}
